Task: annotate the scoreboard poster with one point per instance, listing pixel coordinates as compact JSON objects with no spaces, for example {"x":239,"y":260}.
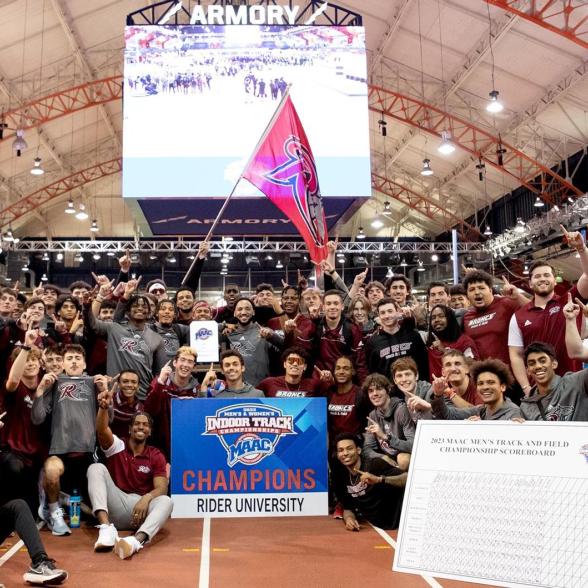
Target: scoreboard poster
{"x":256,"y":457}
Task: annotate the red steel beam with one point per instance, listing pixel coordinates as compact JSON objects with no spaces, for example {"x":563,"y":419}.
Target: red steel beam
{"x":568,"y":18}
{"x":425,"y":206}
{"x":47,"y":108}
{"x":538,"y":178}
{"x":32,"y":201}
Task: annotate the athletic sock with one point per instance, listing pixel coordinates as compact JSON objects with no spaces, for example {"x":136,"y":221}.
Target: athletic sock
{"x":53,"y":506}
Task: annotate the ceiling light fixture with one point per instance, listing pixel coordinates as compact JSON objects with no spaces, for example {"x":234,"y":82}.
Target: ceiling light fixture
{"x":446,"y":147}
{"x":360,"y":234}
{"x":488,"y":231}
{"x":420,"y":267}
{"x":44,"y":278}
{"x":494,"y":105}
{"x":377,"y":223}
{"x":19,"y":144}
{"x":382,"y":124}
{"x":539,"y":203}
{"x":70,"y":208}
{"x":426,"y":171}
{"x":481,"y":167}
{"x":82,"y":214}
{"x":37,"y":170}
{"x":96,"y":256}
{"x":94,"y":227}
{"x":520,"y":226}
{"x":403,"y":263}
{"x":279,"y":265}
{"x":387,"y":209}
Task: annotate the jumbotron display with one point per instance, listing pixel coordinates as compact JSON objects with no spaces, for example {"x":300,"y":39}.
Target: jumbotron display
{"x":197,"y":100}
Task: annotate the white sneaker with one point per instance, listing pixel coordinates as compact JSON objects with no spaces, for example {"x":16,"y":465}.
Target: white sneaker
{"x":126,"y":546}
{"x":107,"y":537}
{"x":58,"y":525}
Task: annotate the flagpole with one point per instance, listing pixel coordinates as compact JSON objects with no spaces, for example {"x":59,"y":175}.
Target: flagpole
{"x":253,"y":154}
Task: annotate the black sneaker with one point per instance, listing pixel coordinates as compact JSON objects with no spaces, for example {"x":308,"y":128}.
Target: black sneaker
{"x":45,"y":574}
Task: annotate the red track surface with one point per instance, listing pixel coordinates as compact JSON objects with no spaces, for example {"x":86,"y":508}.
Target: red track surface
{"x":248,"y":553}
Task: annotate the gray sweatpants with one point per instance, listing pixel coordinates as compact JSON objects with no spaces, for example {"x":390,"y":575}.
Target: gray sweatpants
{"x":106,"y":496}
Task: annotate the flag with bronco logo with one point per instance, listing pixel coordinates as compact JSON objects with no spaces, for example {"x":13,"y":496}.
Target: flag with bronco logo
{"x":283,"y":168}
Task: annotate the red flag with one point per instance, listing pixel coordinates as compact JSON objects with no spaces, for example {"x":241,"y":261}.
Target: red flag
{"x":283,"y":168}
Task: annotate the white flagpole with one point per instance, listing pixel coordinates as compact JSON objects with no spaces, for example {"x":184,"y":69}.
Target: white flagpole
{"x":253,"y":154}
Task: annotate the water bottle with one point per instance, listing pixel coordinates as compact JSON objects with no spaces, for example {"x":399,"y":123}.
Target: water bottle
{"x":74,"y":509}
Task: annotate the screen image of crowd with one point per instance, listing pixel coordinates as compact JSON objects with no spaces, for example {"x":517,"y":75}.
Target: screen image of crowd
{"x":89,"y":373}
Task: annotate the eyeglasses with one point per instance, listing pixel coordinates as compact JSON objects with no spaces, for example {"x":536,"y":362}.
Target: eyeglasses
{"x":295,"y":360}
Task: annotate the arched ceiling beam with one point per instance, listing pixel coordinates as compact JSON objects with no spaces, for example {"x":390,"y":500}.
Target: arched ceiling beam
{"x":526,"y":171}
{"x":78,"y":179}
{"x":568,"y":18}
{"x":48,"y":108}
{"x":425,"y":206}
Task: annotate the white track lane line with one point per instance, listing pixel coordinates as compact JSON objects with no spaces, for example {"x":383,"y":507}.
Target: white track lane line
{"x":428,"y":579}
{"x":205,"y":555}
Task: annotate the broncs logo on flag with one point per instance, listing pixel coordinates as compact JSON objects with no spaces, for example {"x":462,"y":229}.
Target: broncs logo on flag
{"x":249,"y":432}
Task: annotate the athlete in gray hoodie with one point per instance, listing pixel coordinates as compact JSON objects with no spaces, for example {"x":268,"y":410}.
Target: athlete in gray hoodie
{"x":492,"y":377}
{"x":233,"y":367}
{"x":553,"y":397}
{"x":390,"y":431}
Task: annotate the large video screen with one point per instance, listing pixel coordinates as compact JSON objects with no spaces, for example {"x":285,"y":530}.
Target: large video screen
{"x":197,"y":100}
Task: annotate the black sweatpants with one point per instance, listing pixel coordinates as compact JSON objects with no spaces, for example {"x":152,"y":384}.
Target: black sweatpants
{"x":16,"y":515}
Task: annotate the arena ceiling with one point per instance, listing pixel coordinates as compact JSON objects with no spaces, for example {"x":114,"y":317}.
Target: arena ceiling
{"x":433,"y":52}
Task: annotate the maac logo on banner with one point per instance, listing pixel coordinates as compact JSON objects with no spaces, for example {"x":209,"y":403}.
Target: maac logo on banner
{"x":249,"y":432}
{"x":203,"y":333}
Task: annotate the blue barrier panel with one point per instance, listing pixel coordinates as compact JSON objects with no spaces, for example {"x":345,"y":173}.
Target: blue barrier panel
{"x":251,"y":458}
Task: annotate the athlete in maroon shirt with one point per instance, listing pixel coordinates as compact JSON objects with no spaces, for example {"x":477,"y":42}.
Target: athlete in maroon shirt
{"x":292,"y":384}
{"x":125,"y":403}
{"x":486,"y":322}
{"x":131,"y":489}
{"x":543,"y":319}
{"x":25,"y":443}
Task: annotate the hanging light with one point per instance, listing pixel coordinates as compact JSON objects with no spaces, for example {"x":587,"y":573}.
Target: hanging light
{"x":224,"y":260}
{"x":82,"y":214}
{"x":3,"y":127}
{"x":403,"y":263}
{"x":268,"y":257}
{"x":377,"y":223}
{"x":488,"y":231}
{"x":481,"y":167}
{"x":110,"y":253}
{"x":70,"y":208}
{"x":360,"y":234}
{"x":59,"y":257}
{"x":44,"y":278}
{"x":526,"y":270}
{"x":382,"y":124}
{"x":387,"y":209}
{"x":446,"y":147}
{"x":570,"y":200}
{"x":9,"y":237}
{"x":19,"y":144}
{"x":520,"y":226}
{"x":25,"y":266}
{"x":539,"y":203}
{"x":79,"y":257}
{"x":45,"y":257}
{"x":37,"y":170}
{"x":500,"y":151}
{"x":420,"y":267}
{"x":434,"y":257}
{"x":94,"y":226}
{"x":494,"y":105}
{"x":96,"y":256}
{"x":172,"y":258}
{"x":426,"y":171}
{"x":279,"y":265}
{"x":224,"y":272}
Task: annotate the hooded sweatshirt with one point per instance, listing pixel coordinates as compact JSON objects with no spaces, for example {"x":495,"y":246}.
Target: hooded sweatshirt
{"x":566,"y":401}
{"x":158,"y":405}
{"x":254,"y":349}
{"x":443,"y":411}
{"x":247,"y":391}
{"x":398,"y":427}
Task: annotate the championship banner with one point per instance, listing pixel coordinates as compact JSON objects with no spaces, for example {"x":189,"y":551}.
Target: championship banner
{"x":255,"y":457}
{"x":497,"y":502}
